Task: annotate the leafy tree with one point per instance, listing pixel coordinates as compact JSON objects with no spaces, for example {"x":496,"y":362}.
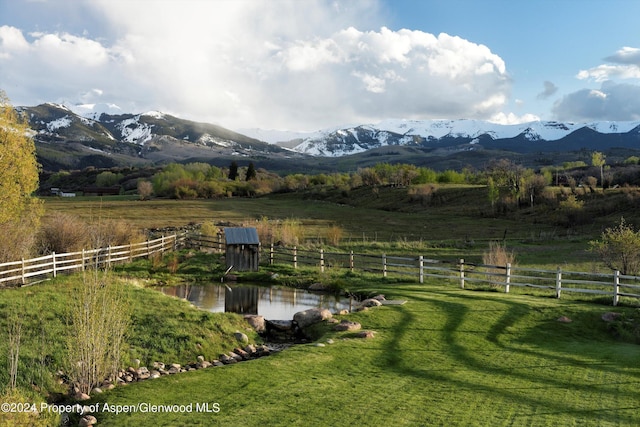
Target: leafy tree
{"x":20,"y":211}
{"x":574,"y":165}
{"x":426,"y":176}
{"x":506,"y":175}
{"x":494,"y":192}
{"x":532,"y":186}
{"x":633,"y":160}
{"x":451,"y":177}
{"x":233,"y":171}
{"x":251,"y":172}
{"x":619,"y":248}
{"x":598,"y":160}
{"x":108,"y":179}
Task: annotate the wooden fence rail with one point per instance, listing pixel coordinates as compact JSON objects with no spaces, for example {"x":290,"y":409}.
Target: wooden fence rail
{"x":557,"y":281}
{"x":26,"y":270}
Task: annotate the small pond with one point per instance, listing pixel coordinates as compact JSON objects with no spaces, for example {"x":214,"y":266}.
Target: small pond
{"x":274,"y":303}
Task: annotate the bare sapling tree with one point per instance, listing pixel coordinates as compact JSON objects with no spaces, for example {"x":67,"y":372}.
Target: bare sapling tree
{"x":99,"y":319}
{"x":15,"y":335}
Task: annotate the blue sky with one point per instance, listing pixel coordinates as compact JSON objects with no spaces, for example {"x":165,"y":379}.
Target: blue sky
{"x":311,"y":64}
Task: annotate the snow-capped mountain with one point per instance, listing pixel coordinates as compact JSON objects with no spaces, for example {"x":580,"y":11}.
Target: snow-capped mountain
{"x":437,"y":133}
{"x":102,"y":136}
{"x":104,"y":139}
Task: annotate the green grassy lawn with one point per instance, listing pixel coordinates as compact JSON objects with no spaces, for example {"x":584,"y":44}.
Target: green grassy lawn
{"x":456,"y":226}
{"x":446,"y":357}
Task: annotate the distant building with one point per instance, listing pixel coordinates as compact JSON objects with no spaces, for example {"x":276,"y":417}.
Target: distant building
{"x":242,"y":248}
{"x":55,"y":191}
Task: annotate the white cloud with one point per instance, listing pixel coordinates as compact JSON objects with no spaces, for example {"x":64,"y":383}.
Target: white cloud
{"x":513,"y":119}
{"x":618,"y":97}
{"x":613,"y":101}
{"x":626,"y":55}
{"x":607,"y":72}
{"x":11,"y":41}
{"x":286,"y":64}
{"x":626,"y":65}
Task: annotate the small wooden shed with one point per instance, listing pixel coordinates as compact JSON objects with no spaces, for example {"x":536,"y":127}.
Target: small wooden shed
{"x":242,"y":248}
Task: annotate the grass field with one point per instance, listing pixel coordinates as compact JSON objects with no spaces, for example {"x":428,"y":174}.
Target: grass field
{"x":458,"y":225}
{"x":447,"y":357}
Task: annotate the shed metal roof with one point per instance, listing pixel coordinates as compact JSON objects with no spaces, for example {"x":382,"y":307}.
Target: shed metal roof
{"x":241,"y":236}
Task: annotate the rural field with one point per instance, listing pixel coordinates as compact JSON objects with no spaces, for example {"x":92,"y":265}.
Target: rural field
{"x":448,"y":356}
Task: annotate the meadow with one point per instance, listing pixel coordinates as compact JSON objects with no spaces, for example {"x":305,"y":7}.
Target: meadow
{"x":446,"y":357}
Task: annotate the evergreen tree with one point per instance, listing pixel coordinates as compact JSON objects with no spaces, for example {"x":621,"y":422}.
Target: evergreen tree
{"x":251,"y":172}
{"x":233,"y":171}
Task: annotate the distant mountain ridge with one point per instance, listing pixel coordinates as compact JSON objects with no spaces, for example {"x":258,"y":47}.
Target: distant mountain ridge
{"x":66,"y":139}
{"x":524,"y":137}
{"x":76,"y":137}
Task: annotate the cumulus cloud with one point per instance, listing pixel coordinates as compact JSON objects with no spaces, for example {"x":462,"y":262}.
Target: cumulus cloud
{"x":626,"y":55}
{"x":617,"y":98}
{"x":285,"y":64}
{"x":549,"y":90}
{"x":625,"y":65}
{"x":613,"y":101}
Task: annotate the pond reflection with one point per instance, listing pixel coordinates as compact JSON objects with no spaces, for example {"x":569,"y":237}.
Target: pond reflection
{"x":274,"y":303}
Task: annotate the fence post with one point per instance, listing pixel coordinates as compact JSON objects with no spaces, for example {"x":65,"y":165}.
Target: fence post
{"x":616,"y":287}
{"x":558,"y":282}
{"x":162,"y":244}
{"x":321,"y":260}
{"x":83,"y":259}
{"x":507,"y":279}
{"x":53,"y":263}
{"x":130,"y":252}
{"x":384,"y":265}
{"x":351,"y":261}
{"x":109,"y":256}
{"x":421,"y":266}
{"x":461,"y":263}
{"x":295,"y":257}
{"x":271,"y":255}
{"x":23,"y":272}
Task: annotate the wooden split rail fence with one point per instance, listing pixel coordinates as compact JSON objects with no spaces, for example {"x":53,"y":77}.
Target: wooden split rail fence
{"x":26,"y":270}
{"x":614,"y":285}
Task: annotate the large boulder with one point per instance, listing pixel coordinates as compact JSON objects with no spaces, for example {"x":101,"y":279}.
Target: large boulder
{"x":311,"y":316}
{"x":257,"y":322}
{"x":281,"y":330}
{"x":347,"y":325}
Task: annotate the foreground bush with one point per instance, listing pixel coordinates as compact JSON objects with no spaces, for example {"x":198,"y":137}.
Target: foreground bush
{"x":62,"y":232}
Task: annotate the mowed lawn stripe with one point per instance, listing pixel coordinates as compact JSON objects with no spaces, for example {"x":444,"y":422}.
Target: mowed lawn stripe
{"x":446,"y":357}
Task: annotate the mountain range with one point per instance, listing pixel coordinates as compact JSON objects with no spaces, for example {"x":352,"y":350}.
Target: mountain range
{"x":69,"y":137}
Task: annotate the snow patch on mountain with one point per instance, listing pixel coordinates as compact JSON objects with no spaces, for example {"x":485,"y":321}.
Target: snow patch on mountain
{"x":135,"y":131}
{"x":62,"y":122}
{"x":209,"y":140}
{"x":154,"y":114}
{"x":94,"y":111}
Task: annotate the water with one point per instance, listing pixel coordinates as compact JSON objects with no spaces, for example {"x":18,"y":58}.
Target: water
{"x":274,"y":303}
